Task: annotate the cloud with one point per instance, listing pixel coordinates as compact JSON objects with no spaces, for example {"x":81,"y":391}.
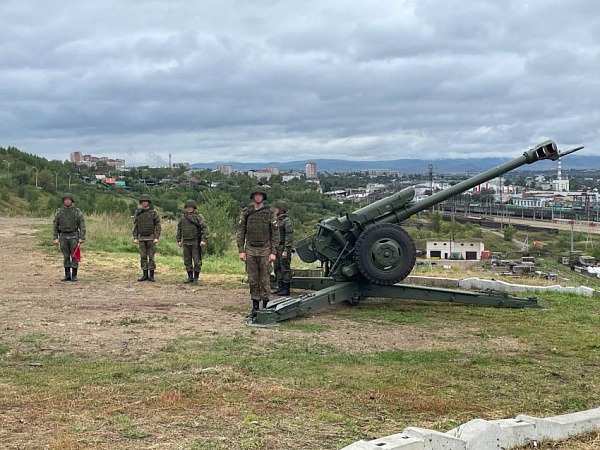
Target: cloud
{"x":272,"y":80}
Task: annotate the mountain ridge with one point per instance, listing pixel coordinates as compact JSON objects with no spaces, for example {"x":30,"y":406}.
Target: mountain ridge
{"x":446,"y":165}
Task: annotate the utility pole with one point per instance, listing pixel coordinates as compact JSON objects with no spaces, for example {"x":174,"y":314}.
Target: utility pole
{"x":56,"y":181}
{"x":572,"y":232}
{"x":430,"y":167}
{"x":36,"y":176}
{"x":70,"y":180}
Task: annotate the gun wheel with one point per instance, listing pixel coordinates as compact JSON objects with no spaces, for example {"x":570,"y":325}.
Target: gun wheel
{"x":385,"y":254}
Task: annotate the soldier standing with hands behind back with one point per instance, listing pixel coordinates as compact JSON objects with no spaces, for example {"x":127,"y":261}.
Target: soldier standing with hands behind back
{"x":146,"y":232}
{"x":283,"y":270}
{"x":69,"y":231}
{"x":192,"y":232}
{"x":257,"y":237}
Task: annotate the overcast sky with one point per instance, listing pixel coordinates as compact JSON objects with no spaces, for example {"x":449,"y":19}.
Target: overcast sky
{"x":261,"y":80}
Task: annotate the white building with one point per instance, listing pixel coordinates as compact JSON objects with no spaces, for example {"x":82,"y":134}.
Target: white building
{"x":560,"y":185}
{"x":290,"y":177}
{"x":260,"y":174}
{"x":530,"y":202}
{"x":225,"y":169}
{"x":311,"y":170}
{"x":454,"y":250}
{"x":375,"y":187}
{"x":383,"y":173}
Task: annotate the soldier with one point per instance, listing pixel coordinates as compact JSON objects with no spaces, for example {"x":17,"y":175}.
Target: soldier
{"x":283,"y":271}
{"x":69,"y":231}
{"x":257,"y":238}
{"x":146,"y":232}
{"x":192,"y":232}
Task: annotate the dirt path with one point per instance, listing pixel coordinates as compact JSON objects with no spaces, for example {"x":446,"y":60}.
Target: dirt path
{"x":99,"y":317}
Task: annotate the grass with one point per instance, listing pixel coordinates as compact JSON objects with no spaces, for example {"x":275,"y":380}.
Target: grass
{"x":273,"y":388}
{"x":530,"y":361}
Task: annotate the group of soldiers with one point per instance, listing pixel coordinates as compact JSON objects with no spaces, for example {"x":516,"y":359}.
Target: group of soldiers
{"x":264,"y":237}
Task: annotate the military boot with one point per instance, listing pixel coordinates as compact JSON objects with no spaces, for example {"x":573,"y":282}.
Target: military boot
{"x":196,"y":276}
{"x":255,"y":308}
{"x":276,"y":291}
{"x":151,"y":276}
{"x":285,"y":290}
{"x":67,"y":276}
{"x":74,"y":274}
{"x":190,"y":277}
{"x":265,"y":303}
{"x":144,"y":277}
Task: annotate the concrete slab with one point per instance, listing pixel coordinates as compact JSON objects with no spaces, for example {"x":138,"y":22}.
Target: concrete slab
{"x":495,"y":434}
{"x":434,"y":440}
{"x":361,"y":445}
{"x":564,"y":426}
{"x":399,"y":441}
{"x":517,"y":432}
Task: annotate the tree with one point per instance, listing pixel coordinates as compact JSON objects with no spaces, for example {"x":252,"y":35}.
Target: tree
{"x":509,"y":233}
{"x":436,"y":222}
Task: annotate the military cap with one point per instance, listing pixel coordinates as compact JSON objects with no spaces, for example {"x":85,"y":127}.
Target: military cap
{"x":283,"y":206}
{"x":191,"y":203}
{"x":68,"y":195}
{"x":145,"y":198}
{"x":258,"y":190}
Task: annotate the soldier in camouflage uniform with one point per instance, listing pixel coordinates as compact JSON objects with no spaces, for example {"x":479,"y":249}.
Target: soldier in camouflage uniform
{"x":192,"y":232}
{"x":69,"y":231}
{"x":283,"y":271}
{"x":146,"y":232}
{"x":257,"y":237}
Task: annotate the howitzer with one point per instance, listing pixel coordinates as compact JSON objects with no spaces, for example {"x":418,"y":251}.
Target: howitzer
{"x":366,"y":252}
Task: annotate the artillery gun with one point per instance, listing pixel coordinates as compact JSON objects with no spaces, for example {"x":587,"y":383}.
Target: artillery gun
{"x":366,"y":253}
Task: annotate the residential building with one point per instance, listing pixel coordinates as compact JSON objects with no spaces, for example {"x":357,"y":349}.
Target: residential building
{"x":289,"y":177}
{"x":80,"y":159}
{"x":226,"y":169}
{"x":260,"y":174}
{"x":311,"y":170}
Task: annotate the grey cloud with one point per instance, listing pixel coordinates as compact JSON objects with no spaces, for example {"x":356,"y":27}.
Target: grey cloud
{"x":281,"y":80}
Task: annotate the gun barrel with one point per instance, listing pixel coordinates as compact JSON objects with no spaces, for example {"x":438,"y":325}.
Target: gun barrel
{"x":545,"y":150}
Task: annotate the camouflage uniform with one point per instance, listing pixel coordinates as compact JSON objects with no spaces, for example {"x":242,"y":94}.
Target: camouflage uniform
{"x":257,"y":236}
{"x":146,"y":228}
{"x":68,"y":227}
{"x":283,"y":271}
{"x":191,"y":230}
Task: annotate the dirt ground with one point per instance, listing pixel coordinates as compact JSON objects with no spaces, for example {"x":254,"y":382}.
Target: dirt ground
{"x":88,"y":314}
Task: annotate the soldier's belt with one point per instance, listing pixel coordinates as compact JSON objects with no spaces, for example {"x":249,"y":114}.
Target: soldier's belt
{"x":256,"y":244}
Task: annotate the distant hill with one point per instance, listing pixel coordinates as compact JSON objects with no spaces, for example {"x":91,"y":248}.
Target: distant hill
{"x":455,"y":165}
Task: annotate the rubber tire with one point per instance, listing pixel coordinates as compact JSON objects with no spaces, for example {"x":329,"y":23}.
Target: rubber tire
{"x":363,"y":247}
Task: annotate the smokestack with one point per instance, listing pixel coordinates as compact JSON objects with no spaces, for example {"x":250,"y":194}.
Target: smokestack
{"x":172,"y":166}
{"x":559,"y":169}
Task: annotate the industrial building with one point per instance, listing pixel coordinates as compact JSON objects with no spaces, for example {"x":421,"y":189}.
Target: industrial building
{"x":471,"y":251}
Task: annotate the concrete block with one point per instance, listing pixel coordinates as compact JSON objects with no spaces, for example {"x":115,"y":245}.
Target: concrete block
{"x":480,"y":434}
{"x":399,"y":441}
{"x":434,"y":440}
{"x":496,"y":434}
{"x":564,"y":426}
{"x":503,"y":286}
{"x":517,"y":432}
{"x":361,"y":445}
